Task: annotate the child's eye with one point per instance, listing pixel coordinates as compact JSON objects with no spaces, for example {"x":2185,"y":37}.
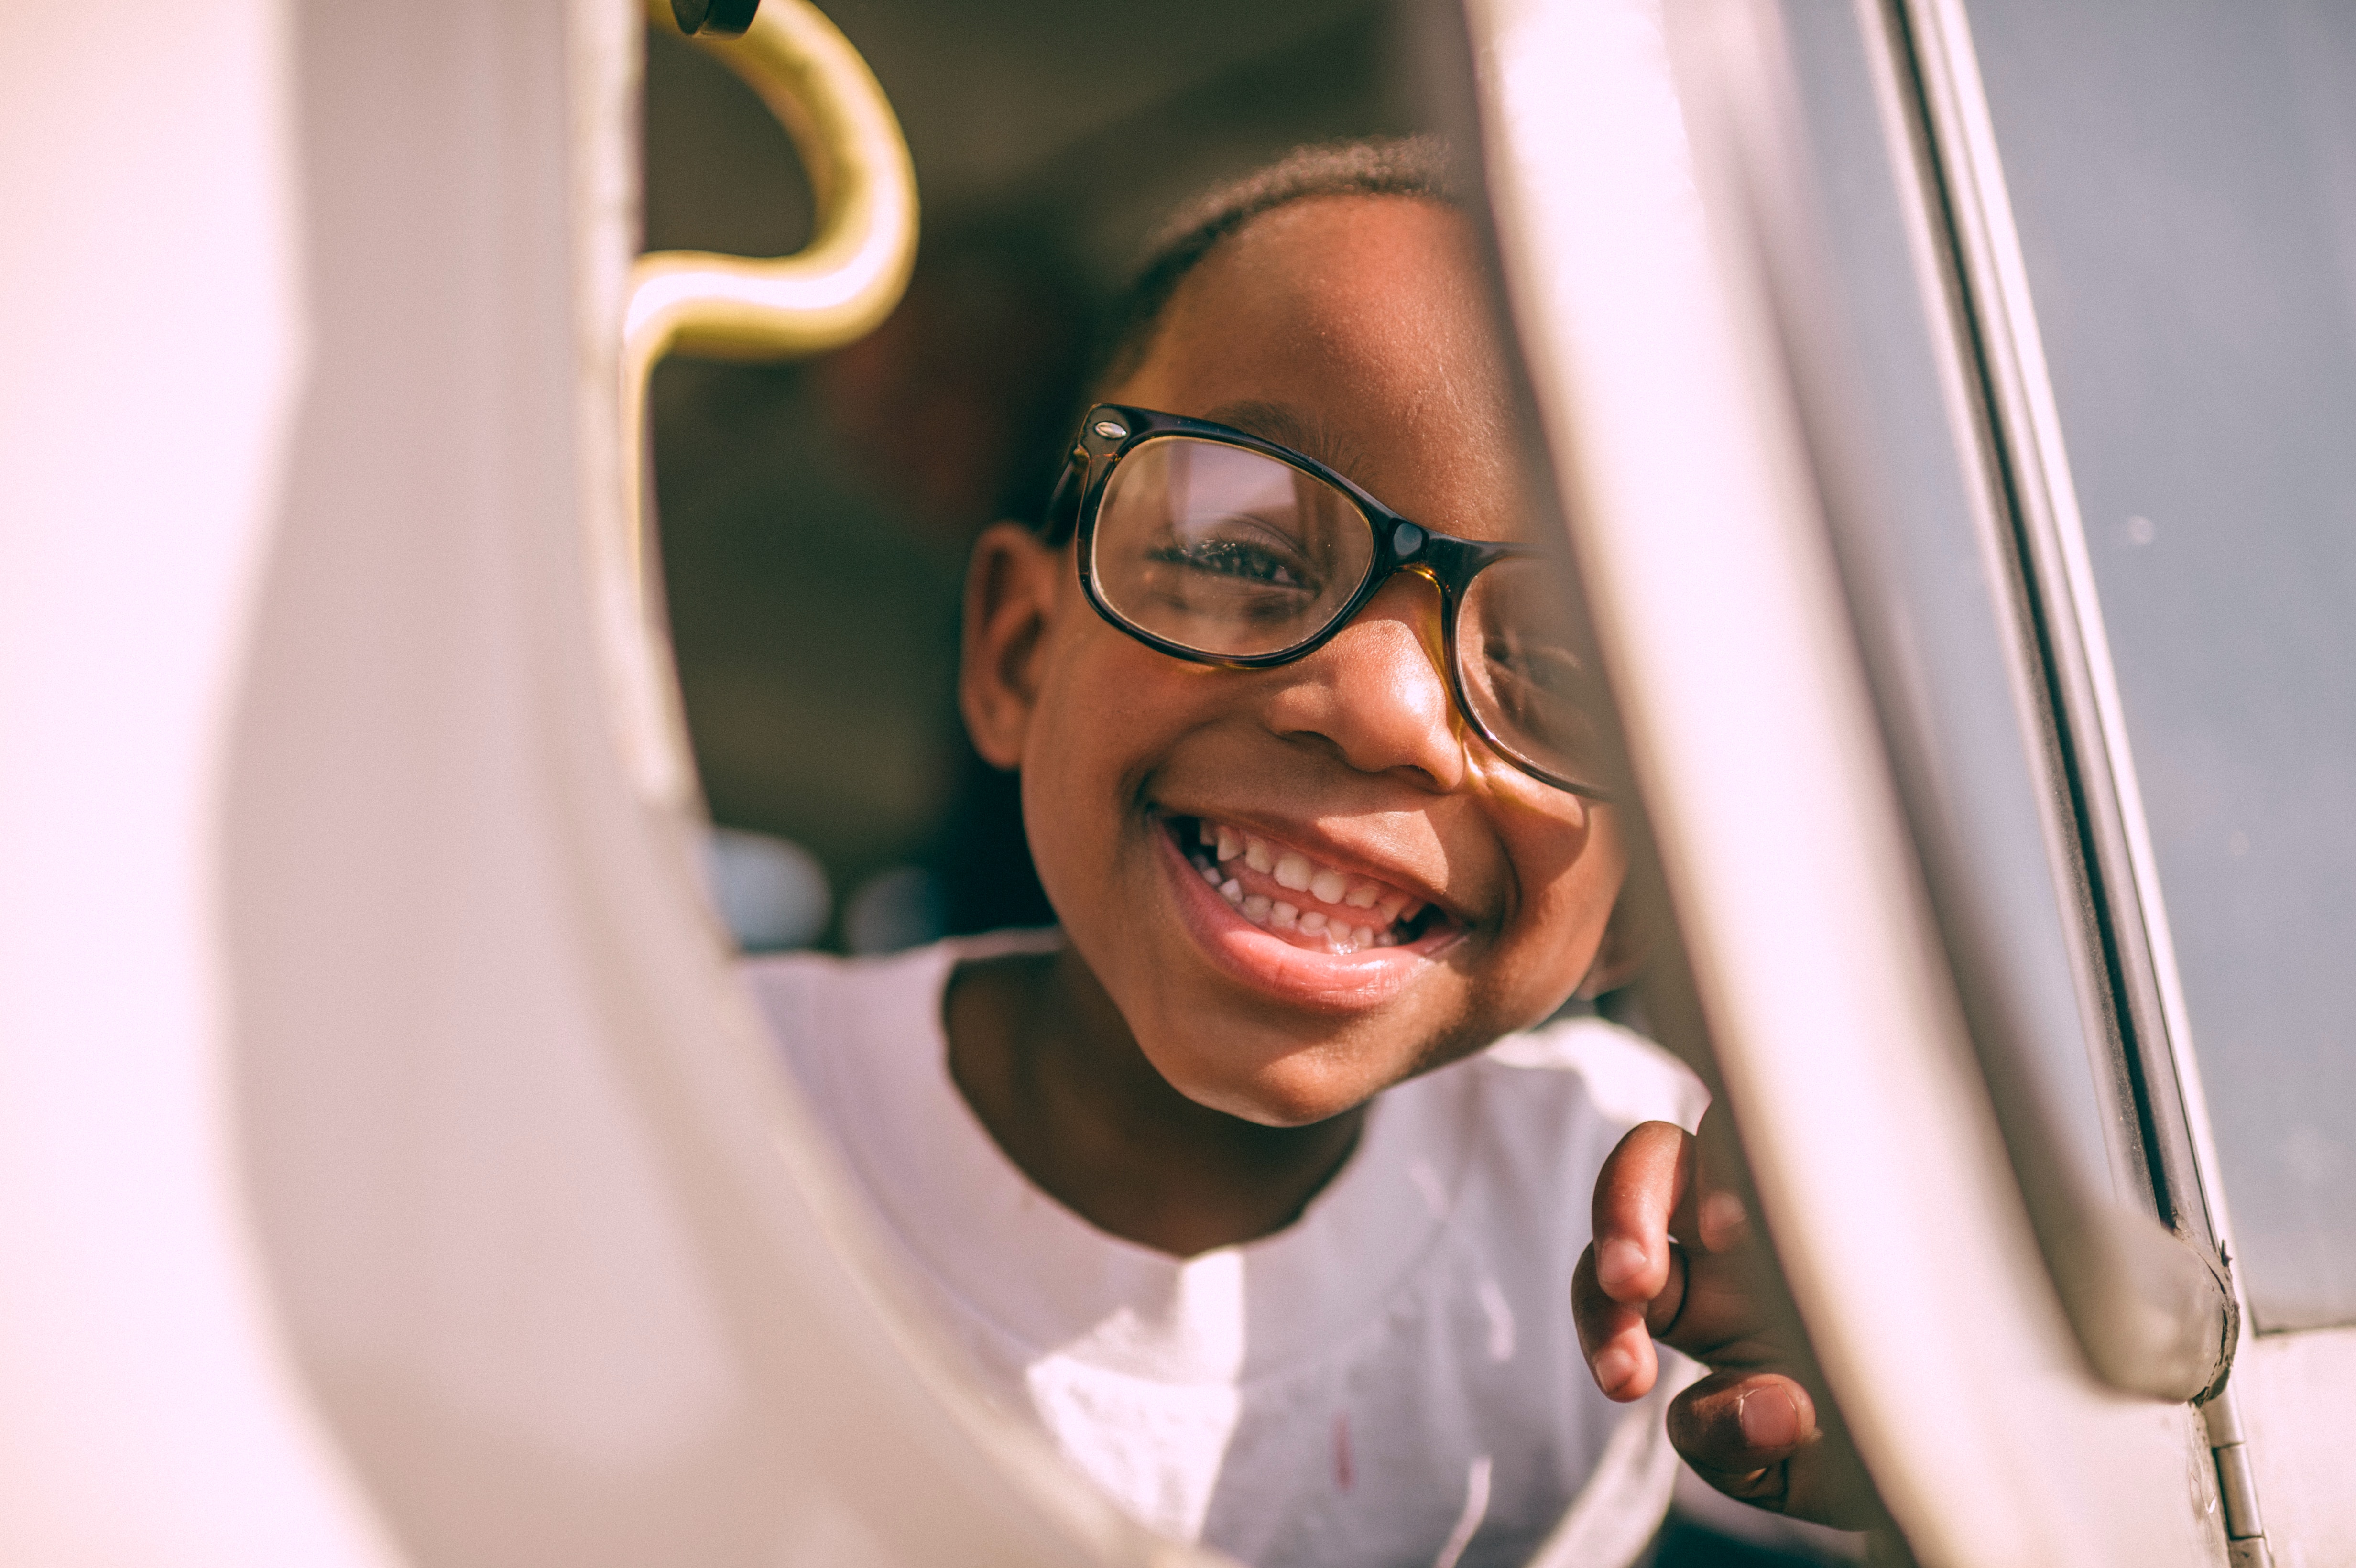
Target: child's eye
{"x":1556,"y":672}
{"x":1539,"y":691}
{"x":1240,"y":558}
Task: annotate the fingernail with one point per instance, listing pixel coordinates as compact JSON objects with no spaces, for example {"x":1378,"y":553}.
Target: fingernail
{"x":1613,"y":1367}
{"x":1617,"y":1262}
{"x":1769,"y":1418}
{"x":1722,"y":1216}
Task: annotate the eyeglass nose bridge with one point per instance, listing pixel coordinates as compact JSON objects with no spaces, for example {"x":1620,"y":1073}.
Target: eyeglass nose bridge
{"x":1448,"y":560}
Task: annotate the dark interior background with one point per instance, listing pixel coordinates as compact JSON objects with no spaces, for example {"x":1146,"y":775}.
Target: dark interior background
{"x":815,"y":517}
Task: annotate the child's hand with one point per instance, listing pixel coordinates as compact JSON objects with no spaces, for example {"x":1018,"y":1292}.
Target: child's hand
{"x":1674,"y":1259}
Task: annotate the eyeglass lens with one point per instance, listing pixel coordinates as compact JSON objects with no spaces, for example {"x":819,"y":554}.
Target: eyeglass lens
{"x":1234,"y":554}
{"x":1223,"y":551}
{"x":1519,"y":653}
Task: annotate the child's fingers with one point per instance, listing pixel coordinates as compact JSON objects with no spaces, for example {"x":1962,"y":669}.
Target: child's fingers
{"x":1738,"y":1430}
{"x":1613,"y":1336}
{"x":1630,"y":1284}
{"x":1636,"y":1198}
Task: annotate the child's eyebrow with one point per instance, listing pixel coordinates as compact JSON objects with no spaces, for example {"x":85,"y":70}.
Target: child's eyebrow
{"x":1286,"y":426}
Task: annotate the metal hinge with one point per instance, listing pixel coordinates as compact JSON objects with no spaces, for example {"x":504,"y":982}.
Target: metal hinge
{"x":2237,"y":1488}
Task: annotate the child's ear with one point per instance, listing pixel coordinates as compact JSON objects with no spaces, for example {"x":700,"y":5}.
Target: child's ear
{"x":1010,"y":593}
{"x":1627,"y":942}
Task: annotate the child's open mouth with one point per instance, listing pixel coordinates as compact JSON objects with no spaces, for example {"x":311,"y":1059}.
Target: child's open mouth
{"x":1317,"y":908}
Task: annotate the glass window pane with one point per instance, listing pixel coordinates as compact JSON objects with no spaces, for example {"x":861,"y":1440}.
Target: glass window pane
{"x":1934,"y":598}
{"x":2184,"y":181}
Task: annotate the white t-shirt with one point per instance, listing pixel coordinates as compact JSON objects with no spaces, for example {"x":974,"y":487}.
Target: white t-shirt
{"x":1393,"y":1379}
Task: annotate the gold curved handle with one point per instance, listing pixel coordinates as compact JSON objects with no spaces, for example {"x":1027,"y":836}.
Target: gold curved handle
{"x":834,"y":291}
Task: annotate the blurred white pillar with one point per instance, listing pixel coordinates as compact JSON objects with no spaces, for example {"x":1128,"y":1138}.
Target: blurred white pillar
{"x":387,"y":1152}
{"x":150,"y":313}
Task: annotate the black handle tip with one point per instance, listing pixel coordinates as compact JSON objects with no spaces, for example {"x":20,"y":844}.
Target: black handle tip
{"x":720,"y":18}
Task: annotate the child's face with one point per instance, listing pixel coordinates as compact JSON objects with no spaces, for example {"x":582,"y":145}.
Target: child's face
{"x":1356,"y":329}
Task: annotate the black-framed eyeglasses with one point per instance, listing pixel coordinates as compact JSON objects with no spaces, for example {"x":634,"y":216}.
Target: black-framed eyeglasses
{"x":1212,"y":545}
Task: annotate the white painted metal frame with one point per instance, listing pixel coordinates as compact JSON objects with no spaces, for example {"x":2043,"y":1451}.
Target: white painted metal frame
{"x":392,"y":1168}
{"x":1613,"y":137}
{"x":2029,"y":423}
{"x":2275,"y":1425}
{"x":1997,"y":278}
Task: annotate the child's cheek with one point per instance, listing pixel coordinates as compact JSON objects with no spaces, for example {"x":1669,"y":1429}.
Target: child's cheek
{"x":1570,"y":862}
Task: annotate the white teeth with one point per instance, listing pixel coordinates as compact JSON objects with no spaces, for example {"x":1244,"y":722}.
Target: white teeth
{"x":1295,"y":873}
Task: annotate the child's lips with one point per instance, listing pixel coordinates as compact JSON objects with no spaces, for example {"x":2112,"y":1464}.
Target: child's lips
{"x":1280,"y":964}
{"x":1295,"y":925}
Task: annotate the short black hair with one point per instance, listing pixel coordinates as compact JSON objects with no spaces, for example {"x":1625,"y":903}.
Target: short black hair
{"x":1380,"y":165}
{"x":1372,"y":165}
{"x":1385,"y":165}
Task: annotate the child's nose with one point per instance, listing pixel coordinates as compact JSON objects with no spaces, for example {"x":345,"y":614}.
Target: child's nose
{"x":1378,"y":692}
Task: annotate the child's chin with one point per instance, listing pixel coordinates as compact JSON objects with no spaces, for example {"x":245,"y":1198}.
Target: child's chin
{"x":1276,"y":1077}
{"x":1272,"y":1098}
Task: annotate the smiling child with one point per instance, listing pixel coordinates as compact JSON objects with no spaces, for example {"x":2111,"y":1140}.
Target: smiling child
{"x":1243,"y":1184}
